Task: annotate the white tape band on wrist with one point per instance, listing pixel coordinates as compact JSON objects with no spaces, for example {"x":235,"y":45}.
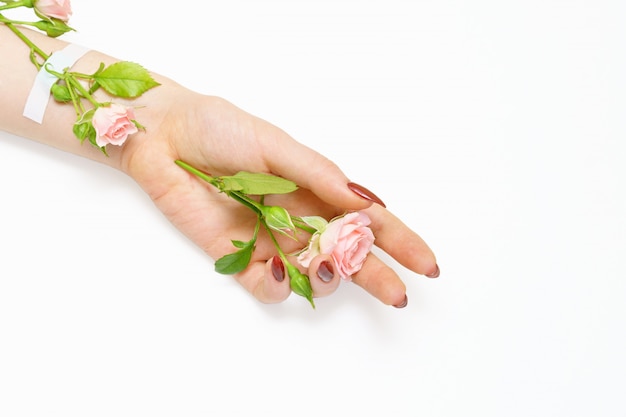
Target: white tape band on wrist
{"x":39,"y":95}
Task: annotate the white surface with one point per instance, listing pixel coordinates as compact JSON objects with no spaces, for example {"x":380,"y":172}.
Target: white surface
{"x":495,"y":129}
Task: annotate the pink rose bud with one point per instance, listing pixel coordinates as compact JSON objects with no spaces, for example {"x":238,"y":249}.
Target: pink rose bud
{"x":113,"y":124}
{"x":347,"y":239}
{"x":300,"y":283}
{"x":58,"y":9}
{"x":278,"y":218}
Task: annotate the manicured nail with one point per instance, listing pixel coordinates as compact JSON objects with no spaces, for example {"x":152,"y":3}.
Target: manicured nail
{"x":365,"y":193}
{"x":325,"y":271}
{"x":403,"y":303}
{"x":435,"y":273}
{"x":278,"y":269}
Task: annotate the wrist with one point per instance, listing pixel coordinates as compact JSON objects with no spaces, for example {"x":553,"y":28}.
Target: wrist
{"x":117,"y":105}
{"x":49,"y":121}
{"x":56,"y":127}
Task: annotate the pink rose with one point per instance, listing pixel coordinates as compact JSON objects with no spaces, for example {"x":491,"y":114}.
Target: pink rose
{"x":113,"y":124}
{"x":58,"y":9}
{"x":347,"y":239}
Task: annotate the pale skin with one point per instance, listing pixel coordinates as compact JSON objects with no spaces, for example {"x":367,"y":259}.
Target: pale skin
{"x":219,"y":138}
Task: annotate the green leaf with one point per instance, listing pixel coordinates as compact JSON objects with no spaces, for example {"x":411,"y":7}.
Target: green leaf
{"x":258,"y":183}
{"x":239,"y":244}
{"x":125,"y":79}
{"x":229,"y":184}
{"x":235,"y":262}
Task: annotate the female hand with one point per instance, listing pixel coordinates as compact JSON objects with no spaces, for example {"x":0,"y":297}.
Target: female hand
{"x":218,"y":138}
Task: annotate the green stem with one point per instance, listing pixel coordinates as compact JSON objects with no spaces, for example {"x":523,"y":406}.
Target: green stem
{"x":282,"y":255}
{"x":78,"y":106}
{"x":27,"y":41}
{"x":299,"y":282}
{"x":15,"y":22}
{"x":12,"y":5}
{"x":242,"y":198}
{"x":73,"y":83}
{"x":82,"y":76}
{"x":196,"y":172}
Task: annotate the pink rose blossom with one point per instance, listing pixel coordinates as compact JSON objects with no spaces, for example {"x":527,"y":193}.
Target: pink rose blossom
{"x":58,"y":9}
{"x":347,"y":239}
{"x":113,"y":124}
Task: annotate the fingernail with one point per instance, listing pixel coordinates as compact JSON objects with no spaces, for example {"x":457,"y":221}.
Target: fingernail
{"x":365,"y":193}
{"x":403,"y":303}
{"x":325,"y":271}
{"x":435,"y":273}
{"x":278,"y":270}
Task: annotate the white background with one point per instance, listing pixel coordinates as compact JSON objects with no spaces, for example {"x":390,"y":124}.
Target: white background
{"x":495,"y":129}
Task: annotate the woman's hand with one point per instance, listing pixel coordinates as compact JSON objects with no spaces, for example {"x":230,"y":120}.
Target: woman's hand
{"x":217,"y":137}
{"x":221,"y":139}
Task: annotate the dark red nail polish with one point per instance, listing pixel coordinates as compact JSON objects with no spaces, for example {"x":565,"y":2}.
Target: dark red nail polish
{"x":435,"y":273}
{"x":365,"y":193}
{"x":404,"y":303}
{"x":325,"y":271}
{"x":278,"y":269}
